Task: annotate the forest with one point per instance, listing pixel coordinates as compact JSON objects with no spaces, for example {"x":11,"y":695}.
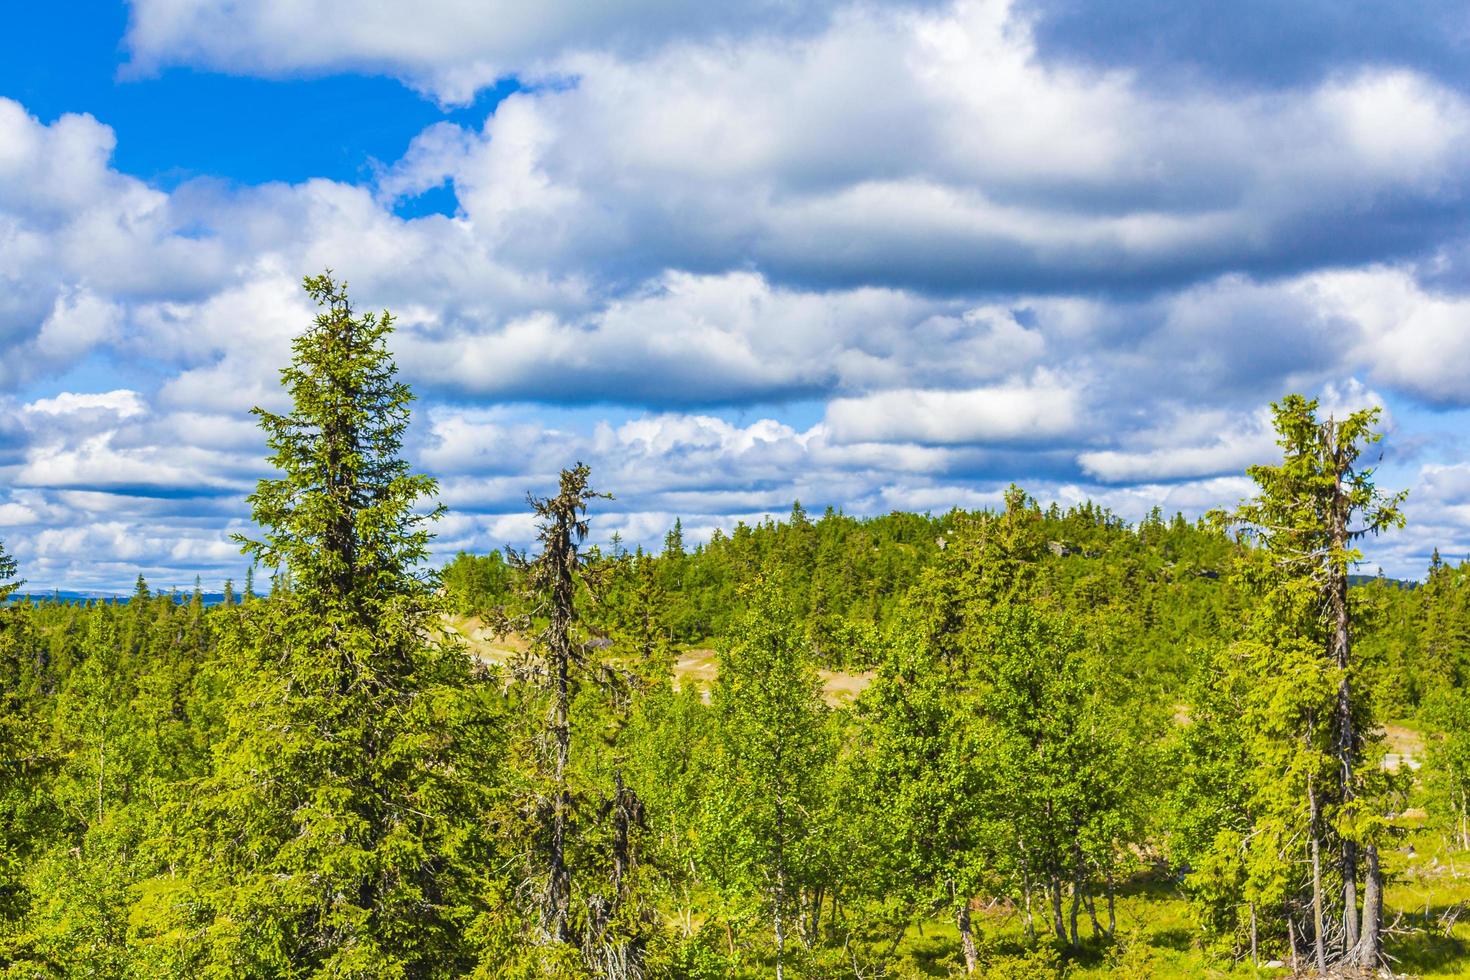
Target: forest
{"x":1026,"y":742}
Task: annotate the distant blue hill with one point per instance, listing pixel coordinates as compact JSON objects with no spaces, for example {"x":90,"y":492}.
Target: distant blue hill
{"x":71,"y":596}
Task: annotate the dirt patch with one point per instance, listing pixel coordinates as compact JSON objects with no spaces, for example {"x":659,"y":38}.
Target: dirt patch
{"x":698,"y":666}
{"x":701,"y":666}
{"x":482,"y":642}
{"x":839,"y":687}
{"x":1405,"y":747}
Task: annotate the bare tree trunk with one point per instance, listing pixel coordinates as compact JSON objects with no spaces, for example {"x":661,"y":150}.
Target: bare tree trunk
{"x":1059,"y":925}
{"x":1026,"y":894}
{"x":1076,"y":906}
{"x":1296,"y":966}
{"x":1255,"y":948}
{"x":1091,"y":902}
{"x":1370,"y":945}
{"x":780,"y":930}
{"x":1319,"y":939}
{"x":1339,"y":651}
{"x":1112,"y":909}
{"x":559,"y":886}
{"x":967,"y":938}
{"x":780,"y":897}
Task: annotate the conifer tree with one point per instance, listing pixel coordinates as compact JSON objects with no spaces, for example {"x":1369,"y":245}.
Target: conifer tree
{"x":581,"y":863}
{"x":8,"y":581}
{"x":1308,"y":514}
{"x":341,"y":832}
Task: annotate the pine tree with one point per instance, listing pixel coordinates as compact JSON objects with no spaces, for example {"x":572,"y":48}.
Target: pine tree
{"x":581,"y":863}
{"x":8,"y":582}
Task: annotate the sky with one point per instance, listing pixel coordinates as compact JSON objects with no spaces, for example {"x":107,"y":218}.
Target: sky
{"x":868,"y":256}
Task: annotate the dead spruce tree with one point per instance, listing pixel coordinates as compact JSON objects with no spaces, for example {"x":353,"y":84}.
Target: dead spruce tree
{"x":598,"y":917}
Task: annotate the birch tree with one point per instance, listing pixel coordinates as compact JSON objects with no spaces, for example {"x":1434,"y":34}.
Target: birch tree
{"x":775,"y":754}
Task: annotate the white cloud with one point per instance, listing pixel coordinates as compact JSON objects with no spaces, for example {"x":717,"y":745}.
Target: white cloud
{"x":122,"y":403}
{"x":447,"y":48}
{"x":872,"y":255}
{"x":1043,"y":409}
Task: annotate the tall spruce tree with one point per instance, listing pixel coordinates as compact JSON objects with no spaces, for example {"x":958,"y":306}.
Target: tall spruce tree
{"x":341,"y":831}
{"x":1306,"y":518}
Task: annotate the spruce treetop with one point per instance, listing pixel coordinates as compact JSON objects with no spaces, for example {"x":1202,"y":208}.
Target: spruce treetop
{"x":343,"y":517}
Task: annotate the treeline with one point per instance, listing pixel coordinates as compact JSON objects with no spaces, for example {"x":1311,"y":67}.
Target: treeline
{"x":324,"y":783}
{"x":850,"y":579}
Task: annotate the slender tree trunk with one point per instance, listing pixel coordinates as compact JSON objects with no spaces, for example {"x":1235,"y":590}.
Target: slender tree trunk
{"x":967,"y":938}
{"x":1030,"y":919}
{"x":1076,"y":907}
{"x":1255,"y":948}
{"x":1059,"y":925}
{"x":1296,"y":966}
{"x":1370,"y":944}
{"x":780,"y":897}
{"x":1112,"y":909}
{"x":560,"y":885}
{"x":1318,"y":938}
{"x":1339,"y":650}
{"x":780,"y":930}
{"x":1090,"y":899}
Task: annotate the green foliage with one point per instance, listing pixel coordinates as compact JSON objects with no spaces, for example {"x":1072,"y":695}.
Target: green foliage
{"x":477,"y":585}
{"x":1286,"y":736}
{"x":763,"y":842}
{"x":340,"y":830}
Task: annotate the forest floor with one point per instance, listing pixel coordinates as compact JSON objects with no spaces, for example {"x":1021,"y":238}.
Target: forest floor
{"x":1426,"y":911}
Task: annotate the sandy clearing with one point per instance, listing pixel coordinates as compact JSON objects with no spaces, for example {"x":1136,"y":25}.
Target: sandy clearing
{"x":697,"y":666}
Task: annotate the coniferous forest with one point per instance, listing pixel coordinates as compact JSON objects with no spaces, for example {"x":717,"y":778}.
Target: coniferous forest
{"x":1017,"y":743}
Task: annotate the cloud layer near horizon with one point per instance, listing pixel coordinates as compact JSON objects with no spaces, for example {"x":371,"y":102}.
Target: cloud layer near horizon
{"x":875,"y":256}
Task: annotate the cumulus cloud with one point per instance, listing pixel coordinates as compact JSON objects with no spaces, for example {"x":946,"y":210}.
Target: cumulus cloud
{"x":446,"y":48}
{"x":871,"y":255}
{"x":1035,"y":411}
{"x":935,"y":150}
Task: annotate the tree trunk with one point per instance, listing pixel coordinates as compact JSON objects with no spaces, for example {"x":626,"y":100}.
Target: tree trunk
{"x":780,"y":933}
{"x":967,"y":938}
{"x":1370,"y":944}
{"x":1076,"y":907}
{"x":1255,"y":948}
{"x":559,"y":887}
{"x":1112,"y":909}
{"x":1087,"y":897}
{"x":1059,"y":925}
{"x":1319,"y":939}
{"x":780,"y":896}
{"x":1339,"y":651}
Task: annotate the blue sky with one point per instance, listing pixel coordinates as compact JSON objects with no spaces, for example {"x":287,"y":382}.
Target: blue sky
{"x":873,"y":256}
